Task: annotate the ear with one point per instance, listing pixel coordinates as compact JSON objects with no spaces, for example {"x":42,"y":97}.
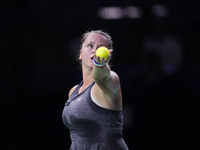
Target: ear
{"x":80,"y":55}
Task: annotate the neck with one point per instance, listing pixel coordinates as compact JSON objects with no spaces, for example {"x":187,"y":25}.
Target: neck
{"x":87,"y":77}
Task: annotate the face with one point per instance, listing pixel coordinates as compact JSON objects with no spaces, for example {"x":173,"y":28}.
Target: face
{"x":89,"y":47}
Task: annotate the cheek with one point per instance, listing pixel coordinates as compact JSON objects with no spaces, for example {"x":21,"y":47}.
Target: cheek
{"x":86,"y":53}
{"x":83,"y":54}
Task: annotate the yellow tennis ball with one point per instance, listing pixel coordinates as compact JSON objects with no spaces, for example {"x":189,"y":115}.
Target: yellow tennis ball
{"x":102,"y":52}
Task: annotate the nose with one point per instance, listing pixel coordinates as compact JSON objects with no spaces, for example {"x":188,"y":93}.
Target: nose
{"x":94,"y":50}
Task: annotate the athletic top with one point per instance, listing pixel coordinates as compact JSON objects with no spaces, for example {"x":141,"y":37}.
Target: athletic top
{"x":92,"y":127}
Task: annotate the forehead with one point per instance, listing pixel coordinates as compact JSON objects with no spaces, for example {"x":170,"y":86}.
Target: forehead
{"x":96,"y":38}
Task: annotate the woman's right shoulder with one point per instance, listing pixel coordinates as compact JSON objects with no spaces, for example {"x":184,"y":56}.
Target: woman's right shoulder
{"x":72,"y":90}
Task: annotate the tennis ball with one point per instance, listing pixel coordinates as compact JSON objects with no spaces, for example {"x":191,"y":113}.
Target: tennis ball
{"x":102,"y":52}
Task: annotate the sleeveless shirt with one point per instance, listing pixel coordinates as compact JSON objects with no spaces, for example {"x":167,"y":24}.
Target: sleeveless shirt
{"x":92,"y":127}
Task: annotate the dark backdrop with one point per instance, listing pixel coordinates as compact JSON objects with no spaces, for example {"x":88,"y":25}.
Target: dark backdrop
{"x":157,"y":59}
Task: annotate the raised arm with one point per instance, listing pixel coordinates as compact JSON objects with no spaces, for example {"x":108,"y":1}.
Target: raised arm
{"x":107,"y":88}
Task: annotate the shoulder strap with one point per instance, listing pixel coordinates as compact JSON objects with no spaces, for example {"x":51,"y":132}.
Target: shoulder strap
{"x":74,"y":94}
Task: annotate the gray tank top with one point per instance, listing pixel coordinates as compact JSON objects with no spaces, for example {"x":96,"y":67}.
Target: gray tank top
{"x":91,"y":126}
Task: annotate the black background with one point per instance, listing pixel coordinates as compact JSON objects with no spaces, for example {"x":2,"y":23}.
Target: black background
{"x":39,"y":40}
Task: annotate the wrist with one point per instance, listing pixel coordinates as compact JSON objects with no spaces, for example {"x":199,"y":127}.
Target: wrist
{"x":98,"y":64}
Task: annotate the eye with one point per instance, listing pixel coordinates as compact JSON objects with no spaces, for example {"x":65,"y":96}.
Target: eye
{"x":90,"y":45}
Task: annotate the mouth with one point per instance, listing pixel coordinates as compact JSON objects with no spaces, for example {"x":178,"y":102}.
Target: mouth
{"x":92,"y":57}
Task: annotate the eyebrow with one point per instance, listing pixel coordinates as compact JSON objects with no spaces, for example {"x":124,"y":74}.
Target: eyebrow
{"x":99,"y":44}
{"x":91,"y":42}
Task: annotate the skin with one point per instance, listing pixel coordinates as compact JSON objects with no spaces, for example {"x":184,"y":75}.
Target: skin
{"x":106,"y":89}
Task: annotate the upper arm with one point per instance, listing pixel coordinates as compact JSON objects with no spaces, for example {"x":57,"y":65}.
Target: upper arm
{"x":108,"y":92}
{"x":110,"y":86}
{"x":72,"y":90}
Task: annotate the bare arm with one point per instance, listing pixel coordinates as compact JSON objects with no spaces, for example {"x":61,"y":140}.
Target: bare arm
{"x":107,"y":80}
{"x":72,"y":90}
{"x":107,"y":85}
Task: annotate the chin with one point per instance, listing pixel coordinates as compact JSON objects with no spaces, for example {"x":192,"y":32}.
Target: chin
{"x":90,"y":65}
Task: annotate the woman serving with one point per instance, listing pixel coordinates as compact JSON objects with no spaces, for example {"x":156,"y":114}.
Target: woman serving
{"x":93,"y":112}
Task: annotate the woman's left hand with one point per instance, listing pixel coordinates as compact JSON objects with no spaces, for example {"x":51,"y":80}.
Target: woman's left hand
{"x":104,"y":61}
